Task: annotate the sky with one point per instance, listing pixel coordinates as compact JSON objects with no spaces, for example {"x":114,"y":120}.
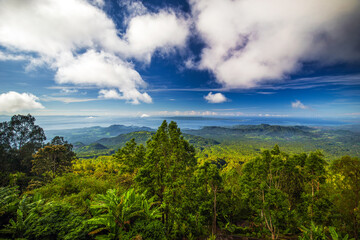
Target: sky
{"x":280,"y":58}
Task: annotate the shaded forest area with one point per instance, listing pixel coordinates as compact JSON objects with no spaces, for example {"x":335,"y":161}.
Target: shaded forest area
{"x":167,"y":189}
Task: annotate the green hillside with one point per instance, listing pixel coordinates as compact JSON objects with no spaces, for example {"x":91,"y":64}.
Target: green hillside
{"x":240,"y":140}
{"x":91,"y":134}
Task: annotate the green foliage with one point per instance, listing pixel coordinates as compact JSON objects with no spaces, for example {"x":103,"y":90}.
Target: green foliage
{"x":26,"y":214}
{"x":8,"y":198}
{"x":262,"y":188}
{"x":312,"y":233}
{"x":8,"y":203}
{"x":131,"y":156}
{"x":53,"y":159}
{"x":166,"y":173}
{"x":116,"y":214}
{"x":152,"y":230}
{"x":54,"y":220}
{"x":76,"y":190}
{"x":19,"y":139}
{"x":59,"y":220}
{"x":208,"y":176}
{"x":344,"y":182}
{"x":336,"y":236}
{"x":169,"y":189}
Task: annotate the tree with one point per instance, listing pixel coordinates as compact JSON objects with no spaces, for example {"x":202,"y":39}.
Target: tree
{"x":315,"y":174}
{"x":168,"y":166}
{"x":131,"y":156}
{"x":261,"y":181}
{"x":209,"y":176}
{"x":19,"y":139}
{"x":54,"y":158}
{"x":346,"y":185}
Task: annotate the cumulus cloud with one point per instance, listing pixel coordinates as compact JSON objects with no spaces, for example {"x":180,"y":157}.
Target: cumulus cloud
{"x":252,"y":42}
{"x":52,"y":27}
{"x":103,"y":70}
{"x":12,"y":102}
{"x":149,"y":32}
{"x":64,"y":36}
{"x":109,"y":94}
{"x":215,"y":98}
{"x":298,"y":104}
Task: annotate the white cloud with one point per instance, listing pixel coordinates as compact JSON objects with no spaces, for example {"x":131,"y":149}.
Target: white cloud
{"x":68,"y":90}
{"x":298,"y":104}
{"x":132,"y":9}
{"x":144,"y":115}
{"x":50,"y":27}
{"x":63,"y":35}
{"x":11,"y":57}
{"x":134,"y":95}
{"x":104,"y":70}
{"x":251,"y":42}
{"x":109,"y":94}
{"x":12,"y":102}
{"x":53,"y":28}
{"x":149,"y":32}
{"x":98,"y":3}
{"x":215,"y":98}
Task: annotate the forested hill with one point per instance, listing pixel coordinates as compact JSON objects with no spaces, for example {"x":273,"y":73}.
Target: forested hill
{"x":107,"y":146}
{"x":92,"y":134}
{"x":271,"y":131}
{"x":334,"y":142}
{"x":256,"y":130}
{"x":119,"y":141}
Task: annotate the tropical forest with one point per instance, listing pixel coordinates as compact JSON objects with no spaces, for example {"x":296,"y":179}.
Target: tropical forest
{"x":165,"y":184}
{"x":180,"y":119}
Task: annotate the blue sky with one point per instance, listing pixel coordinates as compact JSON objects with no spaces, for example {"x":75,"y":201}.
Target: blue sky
{"x":196,"y":57}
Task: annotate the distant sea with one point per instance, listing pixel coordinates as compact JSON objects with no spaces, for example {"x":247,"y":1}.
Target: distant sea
{"x":69,"y":122}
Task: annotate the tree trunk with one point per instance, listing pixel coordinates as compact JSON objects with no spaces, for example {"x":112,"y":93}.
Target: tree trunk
{"x":214,"y":217}
{"x":355,"y":228}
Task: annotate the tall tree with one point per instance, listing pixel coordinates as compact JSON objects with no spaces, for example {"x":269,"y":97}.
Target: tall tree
{"x":168,"y":166}
{"x":315,"y":174}
{"x":262,"y":188}
{"x":209,"y":176}
{"x":346,"y":187}
{"x":131,"y":156}
{"x":19,"y":139}
{"x":54,"y":158}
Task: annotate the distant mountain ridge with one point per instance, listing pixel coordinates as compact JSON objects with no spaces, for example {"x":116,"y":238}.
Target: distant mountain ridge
{"x":141,"y":137}
{"x":97,"y":141}
{"x":91,"y":134}
{"x":119,"y":141}
{"x":216,"y":132}
{"x":108,"y":146}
